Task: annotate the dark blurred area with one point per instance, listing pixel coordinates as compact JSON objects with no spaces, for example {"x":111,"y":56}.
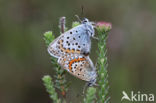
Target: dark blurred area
{"x":24,"y":59}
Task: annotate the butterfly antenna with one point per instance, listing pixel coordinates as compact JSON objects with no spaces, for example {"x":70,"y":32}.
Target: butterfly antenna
{"x":82,"y":10}
{"x":78,"y":18}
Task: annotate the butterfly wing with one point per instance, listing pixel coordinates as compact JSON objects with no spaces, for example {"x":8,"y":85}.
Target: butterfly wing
{"x":79,"y":66}
{"x":73,"y":41}
{"x":53,"y":49}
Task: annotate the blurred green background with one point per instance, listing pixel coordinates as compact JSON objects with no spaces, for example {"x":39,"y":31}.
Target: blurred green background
{"x":24,"y":58}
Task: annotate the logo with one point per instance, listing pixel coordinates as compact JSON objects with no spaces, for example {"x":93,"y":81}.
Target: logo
{"x":140,"y":97}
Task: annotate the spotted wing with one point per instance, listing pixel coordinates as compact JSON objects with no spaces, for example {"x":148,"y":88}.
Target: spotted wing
{"x":79,"y":66}
{"x":73,"y":41}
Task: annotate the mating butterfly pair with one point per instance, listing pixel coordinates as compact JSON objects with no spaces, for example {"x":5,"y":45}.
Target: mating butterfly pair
{"x":72,"y":49}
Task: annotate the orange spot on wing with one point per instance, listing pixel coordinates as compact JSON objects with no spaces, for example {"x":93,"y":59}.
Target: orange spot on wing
{"x":75,"y":60}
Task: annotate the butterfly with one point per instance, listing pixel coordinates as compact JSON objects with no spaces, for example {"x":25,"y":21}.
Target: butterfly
{"x":79,"y":65}
{"x":72,"y":49}
{"x":76,"y":40}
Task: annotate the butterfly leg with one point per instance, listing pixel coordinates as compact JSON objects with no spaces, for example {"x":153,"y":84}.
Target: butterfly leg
{"x":89,"y":84}
{"x":84,"y":88}
{"x":62,"y":24}
{"x":95,"y":38}
{"x":96,"y":64}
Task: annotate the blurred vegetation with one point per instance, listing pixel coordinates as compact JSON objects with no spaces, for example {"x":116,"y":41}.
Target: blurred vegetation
{"x":24,"y":59}
{"x":51,"y":88}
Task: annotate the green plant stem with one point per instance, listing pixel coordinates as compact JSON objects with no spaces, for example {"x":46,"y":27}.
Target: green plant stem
{"x":102,"y":67}
{"x":90,"y":96}
{"x":47,"y":80}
